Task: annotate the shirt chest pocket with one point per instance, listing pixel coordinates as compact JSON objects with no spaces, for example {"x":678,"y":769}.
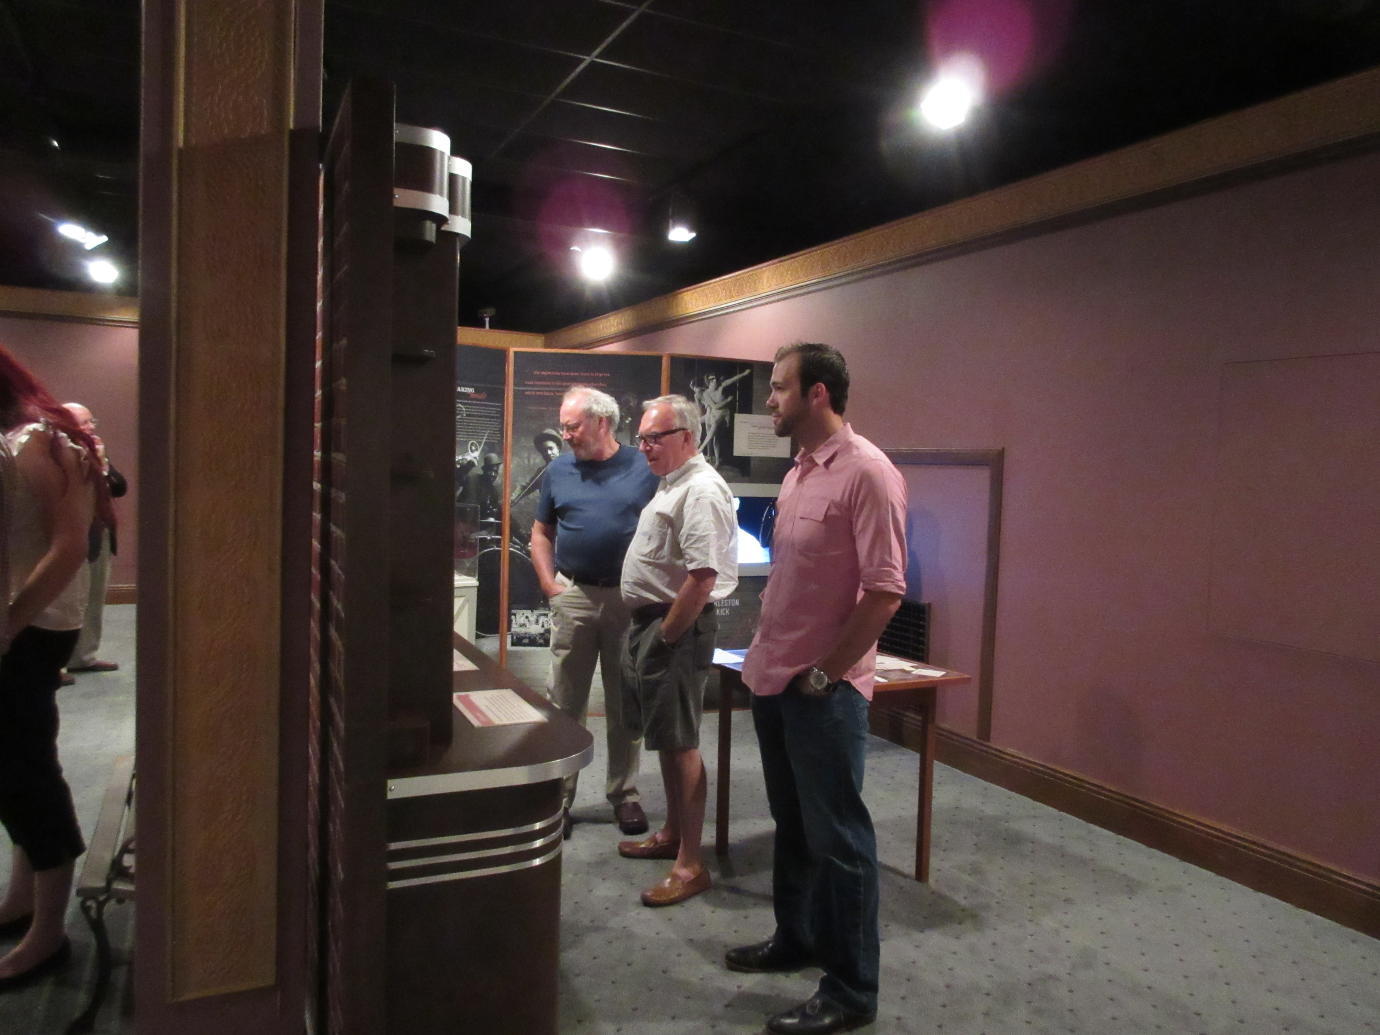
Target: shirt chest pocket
{"x":822,"y":529}
{"x":656,"y":537}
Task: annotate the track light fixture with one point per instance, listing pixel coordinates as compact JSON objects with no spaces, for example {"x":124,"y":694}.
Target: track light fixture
{"x":680,"y":224}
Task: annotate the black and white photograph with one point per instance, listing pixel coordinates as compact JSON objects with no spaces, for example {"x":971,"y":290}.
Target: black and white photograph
{"x":729,"y":395}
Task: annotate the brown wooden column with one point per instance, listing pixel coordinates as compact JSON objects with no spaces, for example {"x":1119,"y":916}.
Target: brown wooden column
{"x":228,"y":260}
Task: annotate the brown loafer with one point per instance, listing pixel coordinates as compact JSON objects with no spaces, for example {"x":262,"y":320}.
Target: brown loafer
{"x":650,"y":848}
{"x":670,"y":890}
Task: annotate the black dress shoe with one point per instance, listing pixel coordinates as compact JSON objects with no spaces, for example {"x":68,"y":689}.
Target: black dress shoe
{"x":768,"y":957}
{"x":16,"y":928}
{"x":39,"y":971}
{"x":818,"y":1016}
{"x":631,"y":819}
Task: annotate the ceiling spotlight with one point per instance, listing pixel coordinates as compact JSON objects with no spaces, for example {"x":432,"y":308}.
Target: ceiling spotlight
{"x":102,"y":271}
{"x":88,"y":239}
{"x":680,"y":227}
{"x":951,"y":97}
{"x":596,"y":261}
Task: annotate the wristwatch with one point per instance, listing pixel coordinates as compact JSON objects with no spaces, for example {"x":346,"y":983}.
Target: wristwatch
{"x":814,"y":683}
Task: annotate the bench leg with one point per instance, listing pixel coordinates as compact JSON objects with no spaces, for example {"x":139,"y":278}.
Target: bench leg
{"x":94,"y":911}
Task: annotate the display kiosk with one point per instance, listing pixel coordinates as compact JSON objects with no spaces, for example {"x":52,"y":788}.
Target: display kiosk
{"x":474,"y":867}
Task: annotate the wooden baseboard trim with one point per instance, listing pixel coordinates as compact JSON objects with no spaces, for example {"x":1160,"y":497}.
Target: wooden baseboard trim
{"x":1335,"y":894}
{"x":121,"y":594}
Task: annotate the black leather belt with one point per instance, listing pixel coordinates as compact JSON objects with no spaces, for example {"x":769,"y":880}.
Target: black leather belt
{"x":647,"y":612}
{"x":600,"y":583}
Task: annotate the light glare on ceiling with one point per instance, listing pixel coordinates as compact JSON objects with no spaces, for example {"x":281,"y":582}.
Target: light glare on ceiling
{"x":680,"y":233}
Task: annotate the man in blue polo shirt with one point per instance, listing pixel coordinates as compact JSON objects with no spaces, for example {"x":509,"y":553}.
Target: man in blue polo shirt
{"x":586,"y":516}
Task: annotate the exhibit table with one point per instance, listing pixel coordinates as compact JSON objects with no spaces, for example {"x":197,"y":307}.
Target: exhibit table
{"x":911,"y":688}
{"x":474,"y":863}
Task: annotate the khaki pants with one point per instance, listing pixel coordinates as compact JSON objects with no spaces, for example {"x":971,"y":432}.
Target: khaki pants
{"x":588,"y":624}
{"x":90,"y":640}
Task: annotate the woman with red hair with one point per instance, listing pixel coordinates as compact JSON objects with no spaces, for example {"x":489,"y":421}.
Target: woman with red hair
{"x":50,"y":491}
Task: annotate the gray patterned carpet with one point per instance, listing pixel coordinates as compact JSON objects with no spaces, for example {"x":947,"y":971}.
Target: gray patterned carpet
{"x":1032,"y":921}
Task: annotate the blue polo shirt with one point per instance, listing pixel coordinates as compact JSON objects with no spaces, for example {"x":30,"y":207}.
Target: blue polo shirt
{"x":594,"y":506}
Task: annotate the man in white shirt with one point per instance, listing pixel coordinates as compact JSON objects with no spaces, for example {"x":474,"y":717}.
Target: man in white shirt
{"x":680,"y":561}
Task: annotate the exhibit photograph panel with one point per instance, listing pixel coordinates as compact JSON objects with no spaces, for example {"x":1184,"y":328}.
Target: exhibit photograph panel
{"x":480,"y":398}
{"x":736,"y":434}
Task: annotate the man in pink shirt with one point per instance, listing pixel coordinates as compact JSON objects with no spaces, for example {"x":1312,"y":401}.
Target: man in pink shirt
{"x":838,"y":572}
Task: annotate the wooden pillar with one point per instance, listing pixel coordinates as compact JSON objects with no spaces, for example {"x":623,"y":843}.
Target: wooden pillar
{"x":229,"y":207}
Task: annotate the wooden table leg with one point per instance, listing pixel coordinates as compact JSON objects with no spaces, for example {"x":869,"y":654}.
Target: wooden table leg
{"x":729,"y":681}
{"x":926,"y":711}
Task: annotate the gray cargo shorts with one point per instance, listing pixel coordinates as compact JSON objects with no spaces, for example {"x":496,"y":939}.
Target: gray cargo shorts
{"x":663,"y":683}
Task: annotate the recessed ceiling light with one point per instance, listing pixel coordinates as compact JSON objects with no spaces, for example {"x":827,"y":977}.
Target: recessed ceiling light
{"x":596,"y":262}
{"x":951,"y":97}
{"x":102,"y":271}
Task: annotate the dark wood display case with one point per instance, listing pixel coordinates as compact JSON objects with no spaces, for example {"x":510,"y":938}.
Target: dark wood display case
{"x":474,"y":869}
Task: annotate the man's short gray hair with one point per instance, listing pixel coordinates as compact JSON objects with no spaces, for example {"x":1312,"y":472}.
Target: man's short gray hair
{"x":687,"y":413}
{"x":597,"y":403}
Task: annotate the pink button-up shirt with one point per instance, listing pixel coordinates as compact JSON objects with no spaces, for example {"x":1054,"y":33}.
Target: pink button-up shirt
{"x":840,"y":530}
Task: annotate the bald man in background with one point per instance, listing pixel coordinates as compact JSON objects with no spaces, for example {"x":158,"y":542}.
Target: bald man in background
{"x":100,"y":549}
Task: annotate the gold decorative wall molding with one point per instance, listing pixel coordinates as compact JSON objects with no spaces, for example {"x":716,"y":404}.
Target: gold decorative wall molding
{"x":87,"y":307}
{"x":1332,"y":118}
{"x":500,"y":339}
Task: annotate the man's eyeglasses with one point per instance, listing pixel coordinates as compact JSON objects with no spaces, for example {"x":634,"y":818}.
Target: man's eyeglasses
{"x":653,"y":438}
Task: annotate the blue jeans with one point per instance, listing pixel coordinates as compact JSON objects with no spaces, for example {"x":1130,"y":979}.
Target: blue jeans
{"x":824,"y":868}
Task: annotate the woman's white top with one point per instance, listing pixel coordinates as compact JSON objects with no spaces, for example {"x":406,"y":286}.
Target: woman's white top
{"x":28,"y":542}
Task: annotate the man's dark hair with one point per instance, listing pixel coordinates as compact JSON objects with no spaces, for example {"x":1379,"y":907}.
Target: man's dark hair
{"x":822,"y":365}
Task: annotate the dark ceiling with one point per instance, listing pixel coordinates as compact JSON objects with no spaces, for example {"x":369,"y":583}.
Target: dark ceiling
{"x":783,"y":123}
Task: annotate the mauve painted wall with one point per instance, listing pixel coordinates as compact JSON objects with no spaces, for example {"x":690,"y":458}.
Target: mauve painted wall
{"x":97,"y":366}
{"x":1095,"y":357}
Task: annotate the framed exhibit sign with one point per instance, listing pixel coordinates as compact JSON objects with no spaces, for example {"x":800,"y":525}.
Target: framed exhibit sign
{"x":736,"y":434}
